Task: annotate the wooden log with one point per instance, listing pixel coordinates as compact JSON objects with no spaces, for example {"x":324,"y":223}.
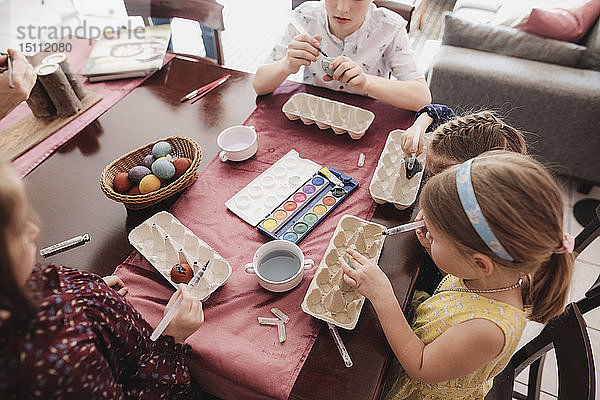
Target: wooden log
{"x":59,"y":89}
{"x":40,"y":103}
{"x":61,"y":59}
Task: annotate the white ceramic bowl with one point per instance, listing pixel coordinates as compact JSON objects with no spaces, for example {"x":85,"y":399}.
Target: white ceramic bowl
{"x":276,"y":246}
{"x":237,"y":143}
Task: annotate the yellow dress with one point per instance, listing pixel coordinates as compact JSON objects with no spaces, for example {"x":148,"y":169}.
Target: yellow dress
{"x":445,"y":309}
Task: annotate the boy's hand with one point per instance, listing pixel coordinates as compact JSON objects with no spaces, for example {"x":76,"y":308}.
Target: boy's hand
{"x":189,"y":317}
{"x":302,"y":50}
{"x":366,"y":277}
{"x":348,"y":71}
{"x":114,"y":282}
{"x":421,"y":233}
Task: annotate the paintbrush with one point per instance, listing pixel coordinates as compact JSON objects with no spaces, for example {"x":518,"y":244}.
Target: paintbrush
{"x":402,"y":228}
{"x":301,"y":30}
{"x":200,"y":90}
{"x":210,"y":88}
{"x":173,"y":310}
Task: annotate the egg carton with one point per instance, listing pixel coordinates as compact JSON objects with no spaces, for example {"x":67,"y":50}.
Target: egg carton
{"x":327,"y":113}
{"x":269,"y":189}
{"x":389,"y":183}
{"x":329,"y":297}
{"x":165,"y":241}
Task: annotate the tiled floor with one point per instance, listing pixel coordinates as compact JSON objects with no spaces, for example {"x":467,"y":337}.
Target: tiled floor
{"x":252,"y":27}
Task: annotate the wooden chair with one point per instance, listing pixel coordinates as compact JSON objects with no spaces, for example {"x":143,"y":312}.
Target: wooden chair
{"x":206,"y":12}
{"x":568,"y":336}
{"x":405,"y":10}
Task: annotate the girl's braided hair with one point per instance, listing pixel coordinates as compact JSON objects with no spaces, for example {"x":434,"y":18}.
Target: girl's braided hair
{"x":469,"y":136}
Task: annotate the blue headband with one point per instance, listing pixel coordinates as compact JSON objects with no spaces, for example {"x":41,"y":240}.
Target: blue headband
{"x":474,"y":214}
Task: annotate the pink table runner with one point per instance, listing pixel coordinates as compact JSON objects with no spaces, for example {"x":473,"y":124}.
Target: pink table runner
{"x":111,"y":91}
{"x":235,"y":357}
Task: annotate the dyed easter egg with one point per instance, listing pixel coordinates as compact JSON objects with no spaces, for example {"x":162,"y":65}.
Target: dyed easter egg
{"x":137,"y":173}
{"x":121,"y":182}
{"x":148,"y":160}
{"x":149,"y":183}
{"x":181,"y":273}
{"x":163,"y":168}
{"x":181,"y":165}
{"x":161,"y":149}
{"x":325,"y":63}
{"x":134,"y":190}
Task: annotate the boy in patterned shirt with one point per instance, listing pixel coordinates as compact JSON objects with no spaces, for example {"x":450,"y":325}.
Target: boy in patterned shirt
{"x":369,"y":44}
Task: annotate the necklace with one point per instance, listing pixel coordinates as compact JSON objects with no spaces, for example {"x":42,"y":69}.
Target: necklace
{"x":467,"y":290}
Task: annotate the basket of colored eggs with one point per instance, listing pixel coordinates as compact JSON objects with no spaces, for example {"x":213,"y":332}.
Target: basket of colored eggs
{"x":152,"y":173}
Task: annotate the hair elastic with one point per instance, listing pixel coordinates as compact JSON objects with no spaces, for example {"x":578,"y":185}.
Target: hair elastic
{"x":566,"y":246}
{"x":464,"y":185}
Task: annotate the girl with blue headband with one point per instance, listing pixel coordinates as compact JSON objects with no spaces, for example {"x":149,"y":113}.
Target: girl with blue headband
{"x":494,"y":224}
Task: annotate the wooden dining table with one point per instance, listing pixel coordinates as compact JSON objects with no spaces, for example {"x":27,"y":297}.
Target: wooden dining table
{"x":64,"y":191}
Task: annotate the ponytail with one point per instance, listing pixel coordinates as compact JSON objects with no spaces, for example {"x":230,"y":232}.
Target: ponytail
{"x":549,"y":288}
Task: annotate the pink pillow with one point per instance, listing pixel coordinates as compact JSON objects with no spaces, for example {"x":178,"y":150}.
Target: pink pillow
{"x":560,"y":23}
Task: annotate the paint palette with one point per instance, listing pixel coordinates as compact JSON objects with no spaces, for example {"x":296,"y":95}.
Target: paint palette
{"x":295,"y":217}
{"x":327,"y":113}
{"x":271,"y":187}
{"x":329,"y":297}
{"x":165,"y":241}
{"x":389,"y":183}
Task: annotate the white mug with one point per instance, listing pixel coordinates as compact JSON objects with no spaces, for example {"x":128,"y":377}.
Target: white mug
{"x":289,"y":275}
{"x":237,"y":143}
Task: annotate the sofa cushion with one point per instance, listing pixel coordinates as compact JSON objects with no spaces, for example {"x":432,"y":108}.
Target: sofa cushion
{"x":560,"y":23}
{"x":511,"y":42}
{"x":591,"y":58}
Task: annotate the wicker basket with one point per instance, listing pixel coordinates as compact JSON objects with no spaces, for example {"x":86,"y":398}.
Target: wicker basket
{"x":182,"y":147}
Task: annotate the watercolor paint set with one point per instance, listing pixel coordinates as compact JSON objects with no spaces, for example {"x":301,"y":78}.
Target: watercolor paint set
{"x":271,"y":187}
{"x":296,"y":216}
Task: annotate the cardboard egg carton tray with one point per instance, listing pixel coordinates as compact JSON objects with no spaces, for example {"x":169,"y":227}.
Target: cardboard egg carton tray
{"x":329,"y":297}
{"x":327,"y":113}
{"x":270,"y":188}
{"x":389,"y":183}
{"x":165,"y":241}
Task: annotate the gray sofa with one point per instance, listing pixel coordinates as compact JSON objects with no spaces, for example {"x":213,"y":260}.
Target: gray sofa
{"x":549,"y":89}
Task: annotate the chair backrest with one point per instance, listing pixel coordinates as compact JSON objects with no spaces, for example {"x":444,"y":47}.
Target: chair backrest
{"x":206,"y":12}
{"x":568,"y":336}
{"x":591,"y":300}
{"x":405,"y":10}
{"x":589,"y":233}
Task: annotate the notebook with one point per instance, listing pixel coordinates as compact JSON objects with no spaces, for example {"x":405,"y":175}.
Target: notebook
{"x":130,"y":54}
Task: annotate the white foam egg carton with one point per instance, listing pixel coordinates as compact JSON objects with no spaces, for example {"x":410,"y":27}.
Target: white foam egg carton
{"x":269,"y":189}
{"x":328,"y":296}
{"x":389,"y":183}
{"x":327,"y":113}
{"x":165,"y":241}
